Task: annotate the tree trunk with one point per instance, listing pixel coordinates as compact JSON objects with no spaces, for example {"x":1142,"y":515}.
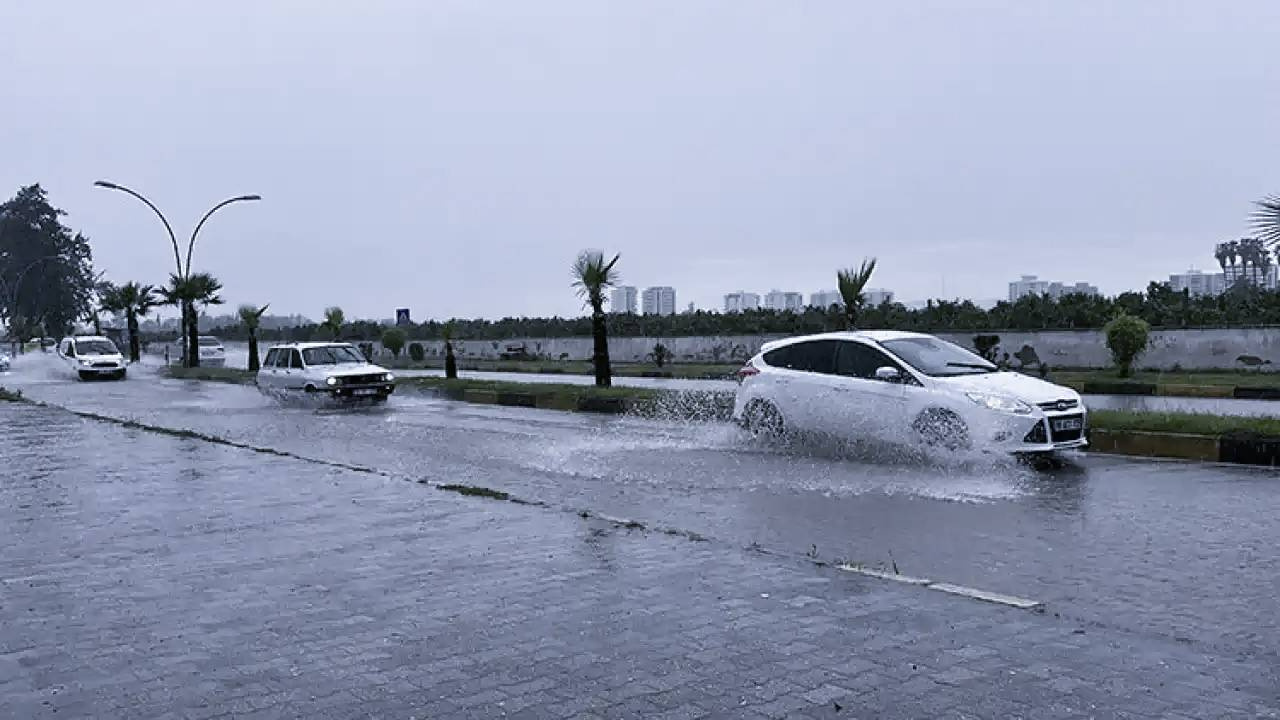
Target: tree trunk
{"x":600,"y":339}
{"x":254,"y":365}
{"x":193,"y":336}
{"x":134,"y":349}
{"x":450,"y":362}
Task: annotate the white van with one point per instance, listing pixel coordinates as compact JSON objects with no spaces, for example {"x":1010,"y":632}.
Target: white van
{"x":92,"y":357}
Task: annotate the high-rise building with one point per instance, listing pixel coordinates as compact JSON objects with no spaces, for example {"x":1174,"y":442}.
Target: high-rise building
{"x":877,"y":296}
{"x":623,"y":299}
{"x":784,"y":301}
{"x":825,"y":299}
{"x":1198,"y":283}
{"x":1031,"y":285}
{"x":1028,"y":285}
{"x":740,"y":301}
{"x":658,"y":301}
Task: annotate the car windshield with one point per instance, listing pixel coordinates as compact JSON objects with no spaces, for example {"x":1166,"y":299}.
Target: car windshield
{"x":95,"y":347}
{"x":332,"y":355}
{"x":938,"y":358}
{"x":209,"y":342}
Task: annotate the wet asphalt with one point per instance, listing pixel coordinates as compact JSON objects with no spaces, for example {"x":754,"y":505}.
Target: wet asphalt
{"x":1182,"y":550}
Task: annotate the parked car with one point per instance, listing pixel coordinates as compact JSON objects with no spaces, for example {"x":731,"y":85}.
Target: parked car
{"x":212,"y":353}
{"x":896,"y":386}
{"x":92,"y":356}
{"x":336,"y":369}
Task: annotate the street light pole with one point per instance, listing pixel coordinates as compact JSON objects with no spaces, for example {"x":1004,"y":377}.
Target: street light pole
{"x":183,"y":273}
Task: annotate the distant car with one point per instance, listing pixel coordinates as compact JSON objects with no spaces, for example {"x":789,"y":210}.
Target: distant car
{"x":4,"y":361}
{"x":337,"y":370}
{"x":897,"y":386}
{"x":212,"y":353}
{"x":92,"y":356}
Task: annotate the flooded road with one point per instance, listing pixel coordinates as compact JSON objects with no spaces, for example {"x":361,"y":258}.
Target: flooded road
{"x":1181,"y":550}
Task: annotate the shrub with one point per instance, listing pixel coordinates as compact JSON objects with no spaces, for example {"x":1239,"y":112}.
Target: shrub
{"x":393,"y":340}
{"x":1127,"y":338}
{"x":416,"y":353}
{"x":986,"y":345}
{"x":661,"y":354}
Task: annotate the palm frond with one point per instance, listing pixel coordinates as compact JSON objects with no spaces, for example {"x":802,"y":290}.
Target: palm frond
{"x":592,"y":275}
{"x":1265,"y":219}
{"x":251,"y":316}
{"x":851,"y":282}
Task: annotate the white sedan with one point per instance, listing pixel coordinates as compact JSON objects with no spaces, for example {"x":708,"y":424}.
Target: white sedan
{"x":900,"y":386}
{"x":335,"y":370}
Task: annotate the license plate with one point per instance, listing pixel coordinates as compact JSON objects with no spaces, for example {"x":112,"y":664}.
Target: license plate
{"x":368,"y":391}
{"x":1067,"y":424}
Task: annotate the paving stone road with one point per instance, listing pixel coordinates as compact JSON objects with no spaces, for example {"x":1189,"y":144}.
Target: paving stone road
{"x":143,"y":575}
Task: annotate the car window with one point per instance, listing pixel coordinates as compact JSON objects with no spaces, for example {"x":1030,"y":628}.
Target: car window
{"x":271,"y":358}
{"x":860,"y":360}
{"x":817,"y":356}
{"x":206,"y":341}
{"x":295,"y":359}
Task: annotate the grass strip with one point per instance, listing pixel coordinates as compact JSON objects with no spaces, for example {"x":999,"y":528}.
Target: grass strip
{"x":1184,"y":423}
{"x":1243,"y":378}
{"x":215,"y":374}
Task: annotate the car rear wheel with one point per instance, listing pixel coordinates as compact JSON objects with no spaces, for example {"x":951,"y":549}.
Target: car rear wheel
{"x":762,"y":419}
{"x":942,"y":428}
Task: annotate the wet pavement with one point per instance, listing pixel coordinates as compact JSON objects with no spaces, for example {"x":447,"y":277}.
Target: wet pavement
{"x":1137,"y":562}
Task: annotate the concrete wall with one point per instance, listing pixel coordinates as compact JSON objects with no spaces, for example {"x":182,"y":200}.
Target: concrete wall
{"x":1170,"y":349}
{"x":1186,"y":349}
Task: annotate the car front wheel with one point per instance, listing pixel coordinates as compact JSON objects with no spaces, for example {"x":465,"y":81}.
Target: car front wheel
{"x":942,"y":428}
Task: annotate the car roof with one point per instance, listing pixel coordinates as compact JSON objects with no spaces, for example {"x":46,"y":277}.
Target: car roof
{"x":88,"y":337}
{"x":877,"y":336}
{"x":308,"y":345}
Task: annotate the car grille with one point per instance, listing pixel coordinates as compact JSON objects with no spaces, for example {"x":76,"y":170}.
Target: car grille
{"x":361,"y":379}
{"x":104,"y":365}
{"x":1069,"y":435}
{"x":1059,"y":405}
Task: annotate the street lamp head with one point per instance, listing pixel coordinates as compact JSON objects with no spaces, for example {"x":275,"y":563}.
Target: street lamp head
{"x":249,"y":197}
{"x":105,"y":184}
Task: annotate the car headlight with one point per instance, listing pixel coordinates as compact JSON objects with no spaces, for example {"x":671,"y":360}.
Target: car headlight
{"x":388,"y":378}
{"x":85,"y":362}
{"x":331,"y":381}
{"x":1000,"y":403}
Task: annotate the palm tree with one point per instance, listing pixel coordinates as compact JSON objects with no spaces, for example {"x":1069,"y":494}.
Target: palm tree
{"x":450,"y":362}
{"x":187,"y":293}
{"x":592,"y":276}
{"x":251,"y":317}
{"x":134,"y":301}
{"x":851,"y":284}
{"x":1266,"y":220}
{"x":333,"y":321}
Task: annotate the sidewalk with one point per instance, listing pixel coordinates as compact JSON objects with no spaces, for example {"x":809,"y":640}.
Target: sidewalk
{"x":149,"y":576}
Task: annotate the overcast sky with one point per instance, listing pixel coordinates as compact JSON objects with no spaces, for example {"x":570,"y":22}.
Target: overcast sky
{"x":453,"y":157}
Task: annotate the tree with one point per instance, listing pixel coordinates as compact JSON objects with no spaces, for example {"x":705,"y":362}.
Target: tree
{"x":46,"y":270}
{"x":1266,"y":221}
{"x":851,"y":284}
{"x":450,"y":362}
{"x":660,"y":354}
{"x":986,"y":345}
{"x":416,"y":353}
{"x":1127,"y":338}
{"x":591,"y":277}
{"x":393,"y":339}
{"x":133,"y":301}
{"x":251,"y":318}
{"x":200,"y":289}
{"x":333,"y":321}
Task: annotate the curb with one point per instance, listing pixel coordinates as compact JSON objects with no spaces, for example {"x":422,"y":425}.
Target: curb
{"x":1148,"y":444}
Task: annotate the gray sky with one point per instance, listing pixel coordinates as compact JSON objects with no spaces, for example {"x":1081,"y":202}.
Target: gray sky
{"x":454,"y":156}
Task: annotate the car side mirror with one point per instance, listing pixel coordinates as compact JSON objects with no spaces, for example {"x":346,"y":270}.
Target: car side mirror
{"x":889,"y":374}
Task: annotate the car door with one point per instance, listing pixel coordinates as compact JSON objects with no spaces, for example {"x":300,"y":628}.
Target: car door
{"x":798,"y":380}
{"x":861,"y":404}
{"x":267,"y":369}
{"x":294,"y":376}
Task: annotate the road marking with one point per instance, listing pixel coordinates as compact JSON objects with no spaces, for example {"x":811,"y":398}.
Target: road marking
{"x":1010,"y":600}
{"x":906,"y":579}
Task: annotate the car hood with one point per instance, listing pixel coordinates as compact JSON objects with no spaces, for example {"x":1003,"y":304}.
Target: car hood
{"x":113,"y":357}
{"x":1012,"y":384}
{"x":346,"y":370}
